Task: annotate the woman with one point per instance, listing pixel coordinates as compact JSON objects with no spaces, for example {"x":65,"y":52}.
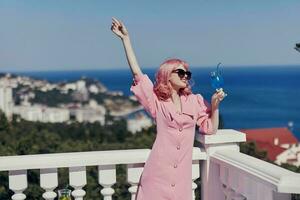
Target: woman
{"x":167,"y":173}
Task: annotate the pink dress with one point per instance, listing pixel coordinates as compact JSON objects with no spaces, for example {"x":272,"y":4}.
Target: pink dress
{"x":167,"y":173}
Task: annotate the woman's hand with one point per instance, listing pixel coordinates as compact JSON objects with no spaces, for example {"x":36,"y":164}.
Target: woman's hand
{"x":119,"y":28}
{"x":217,"y":98}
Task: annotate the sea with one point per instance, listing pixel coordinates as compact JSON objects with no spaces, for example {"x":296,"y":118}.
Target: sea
{"x":258,"y":96}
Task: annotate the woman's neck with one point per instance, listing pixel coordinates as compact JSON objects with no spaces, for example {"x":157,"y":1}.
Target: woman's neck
{"x":176,"y":100}
{"x":175,"y":94}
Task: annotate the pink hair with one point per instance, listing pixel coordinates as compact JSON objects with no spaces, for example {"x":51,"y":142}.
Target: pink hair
{"x":162,"y":86}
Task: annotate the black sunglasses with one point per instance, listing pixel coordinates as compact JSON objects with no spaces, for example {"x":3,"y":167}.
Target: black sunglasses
{"x":181,"y":73}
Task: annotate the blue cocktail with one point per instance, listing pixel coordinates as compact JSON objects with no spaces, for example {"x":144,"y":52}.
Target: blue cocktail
{"x":217,"y":81}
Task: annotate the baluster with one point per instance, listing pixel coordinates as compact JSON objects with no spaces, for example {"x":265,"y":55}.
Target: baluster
{"x":228,"y":192}
{"x":282,"y":196}
{"x":250,"y":188}
{"x":49,"y":181}
{"x":242,"y":187}
{"x":223,"y":175}
{"x":237,"y":196}
{"x":264,"y":192}
{"x":107,"y":177}
{"x":230,"y":179}
{"x":134,"y":172}
{"x":77,"y":178}
{"x":224,"y":181}
{"x":18,"y":183}
{"x":235,"y":182}
{"x":195,"y":175}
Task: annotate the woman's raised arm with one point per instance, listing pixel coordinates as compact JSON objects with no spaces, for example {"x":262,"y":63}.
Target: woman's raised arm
{"x":120,"y":30}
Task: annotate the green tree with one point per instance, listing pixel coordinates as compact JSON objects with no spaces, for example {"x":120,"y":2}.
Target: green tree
{"x":251,"y":149}
{"x":4,"y":124}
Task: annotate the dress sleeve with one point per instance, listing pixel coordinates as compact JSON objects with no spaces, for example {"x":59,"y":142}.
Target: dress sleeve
{"x":143,"y":90}
{"x":204,"y":115}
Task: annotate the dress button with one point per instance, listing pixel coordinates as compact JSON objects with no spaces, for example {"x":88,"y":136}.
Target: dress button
{"x":173,"y":185}
{"x":178,"y":147}
{"x":175,"y":166}
{"x":180,"y":129}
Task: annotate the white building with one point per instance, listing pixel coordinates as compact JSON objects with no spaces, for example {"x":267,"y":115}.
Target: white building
{"x":29,"y":113}
{"x":80,"y":85}
{"x":133,"y":97}
{"x":280,"y":144}
{"x":56,"y":115}
{"x":94,"y":89}
{"x":6,"y":100}
{"x":90,"y":113}
{"x":68,"y":86}
{"x":7,"y":80}
{"x":139,"y":122}
{"x":291,"y":156}
{"x":81,"y":93}
{"x":42,"y":114}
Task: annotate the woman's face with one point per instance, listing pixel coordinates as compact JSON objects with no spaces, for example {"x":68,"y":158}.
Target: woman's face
{"x":177,"y":79}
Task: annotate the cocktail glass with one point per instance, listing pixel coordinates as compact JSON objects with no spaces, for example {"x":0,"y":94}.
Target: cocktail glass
{"x":216,"y":78}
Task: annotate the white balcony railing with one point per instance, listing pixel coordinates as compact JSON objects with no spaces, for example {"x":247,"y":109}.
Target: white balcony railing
{"x":225,"y":172}
{"x":229,"y":174}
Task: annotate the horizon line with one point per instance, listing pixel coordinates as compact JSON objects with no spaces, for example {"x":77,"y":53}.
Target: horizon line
{"x":145,"y":68}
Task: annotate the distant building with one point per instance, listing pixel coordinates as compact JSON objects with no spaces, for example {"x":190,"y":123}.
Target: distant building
{"x":42,"y":114}
{"x":138,"y":122}
{"x":68,"y":86}
{"x":6,"y":100}
{"x":7,"y":80}
{"x":94,"y":89}
{"x":116,"y":93}
{"x":280,"y":143}
{"x":56,"y":115}
{"x":89,"y":113}
{"x":29,"y":113}
{"x":291,"y":155}
{"x":133,"y":97}
{"x":81,"y":93}
{"x":80,"y":85}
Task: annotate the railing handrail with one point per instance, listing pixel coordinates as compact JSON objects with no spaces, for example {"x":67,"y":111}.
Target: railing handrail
{"x":73,"y":159}
{"x":77,"y":159}
{"x":282,"y":180}
{"x":222,"y":136}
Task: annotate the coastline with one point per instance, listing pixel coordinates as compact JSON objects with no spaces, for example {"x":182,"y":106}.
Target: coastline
{"x":259,"y":97}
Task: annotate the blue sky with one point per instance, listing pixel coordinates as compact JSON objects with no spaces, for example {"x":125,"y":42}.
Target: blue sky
{"x":72,"y":35}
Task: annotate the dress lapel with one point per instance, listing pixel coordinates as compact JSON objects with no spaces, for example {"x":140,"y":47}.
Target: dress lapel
{"x":187,"y":106}
{"x":171,"y":108}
